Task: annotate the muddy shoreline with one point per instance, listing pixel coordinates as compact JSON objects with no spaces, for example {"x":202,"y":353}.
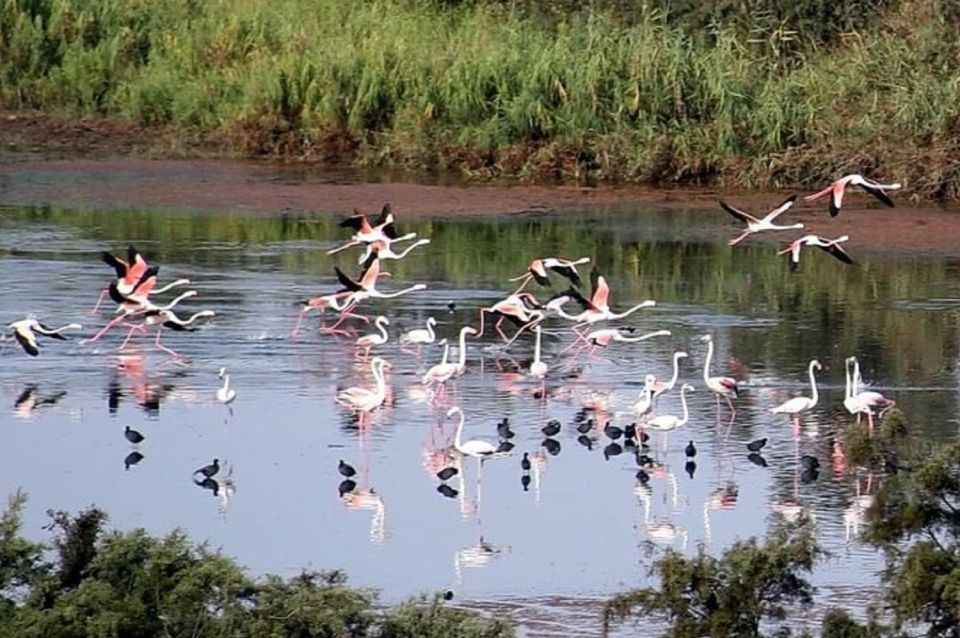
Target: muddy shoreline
{"x":260,"y":187}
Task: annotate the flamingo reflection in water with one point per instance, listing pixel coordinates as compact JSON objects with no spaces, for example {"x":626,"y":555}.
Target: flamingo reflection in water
{"x":476,"y":556}
{"x":723,"y":498}
{"x":658,"y":531}
{"x":368,"y":499}
{"x":855,"y":514}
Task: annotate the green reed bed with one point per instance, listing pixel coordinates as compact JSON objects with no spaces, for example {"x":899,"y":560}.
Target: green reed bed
{"x":493,"y":89}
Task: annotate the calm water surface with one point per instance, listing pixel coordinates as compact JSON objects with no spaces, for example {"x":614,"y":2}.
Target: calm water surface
{"x":582,"y":530}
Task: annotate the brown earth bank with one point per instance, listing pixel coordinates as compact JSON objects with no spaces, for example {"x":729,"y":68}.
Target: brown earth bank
{"x":101,"y":165}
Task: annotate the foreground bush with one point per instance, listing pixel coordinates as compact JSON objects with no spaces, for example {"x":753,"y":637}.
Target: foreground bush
{"x":129,"y":584}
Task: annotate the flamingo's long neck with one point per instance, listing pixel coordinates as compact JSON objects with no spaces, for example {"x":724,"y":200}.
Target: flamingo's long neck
{"x":856,"y":378}
{"x":446,"y":353}
{"x":226,"y":383}
{"x":381,"y":325}
{"x":849,"y":391}
{"x":399,"y":292}
{"x":706,"y":364}
{"x":189,"y":293}
{"x":430,"y":332}
{"x":644,"y":304}
{"x":814,"y":397}
{"x":178,"y":282}
{"x":381,"y":382}
{"x":463,"y":350}
{"x":676,"y":372}
{"x":686,"y":412}
{"x":536,"y":348}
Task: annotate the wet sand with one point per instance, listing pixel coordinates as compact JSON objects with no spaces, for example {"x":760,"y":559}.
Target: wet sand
{"x":264,"y":187}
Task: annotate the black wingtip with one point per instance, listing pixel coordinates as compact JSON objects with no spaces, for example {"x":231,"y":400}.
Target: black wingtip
{"x":834,"y":211}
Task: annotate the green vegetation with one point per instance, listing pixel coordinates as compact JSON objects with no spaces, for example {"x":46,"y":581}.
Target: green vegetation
{"x":756,"y":94}
{"x":110,"y":584}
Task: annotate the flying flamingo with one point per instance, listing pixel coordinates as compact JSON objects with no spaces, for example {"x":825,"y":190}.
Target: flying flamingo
{"x":865,"y":402}
{"x":721,"y":386}
{"x":136,"y":305}
{"x":384,"y":249}
{"x":366,"y":288}
{"x":537,"y":270}
{"x":364,"y":400}
{"x":756,"y":225}
{"x":381,"y":229}
{"x":420,"y":336}
{"x":797,"y":405}
{"x":836,"y":190}
{"x":166,"y":319}
{"x":659,"y":387}
{"x":322,"y":303}
{"x":606,"y":336}
{"x":597,"y":308}
{"x":369,"y":341}
{"x":27,"y":330}
{"x":128,"y":271}
{"x":521,"y":308}
{"x":831,"y":246}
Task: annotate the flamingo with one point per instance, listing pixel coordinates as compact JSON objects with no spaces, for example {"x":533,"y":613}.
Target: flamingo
{"x":322,"y":303}
{"x":669,"y":422}
{"x":597,"y":308}
{"x":756,"y":225}
{"x":384,"y":249}
{"x":537,"y":270}
{"x":521,"y":308}
{"x":443,"y":372}
{"x":865,"y":402}
{"x":366,"y":288}
{"x":381,"y":229}
{"x":167,"y":319}
{"x":644,"y":402}
{"x":420,"y":336}
{"x":477,"y":448}
{"x":831,"y":246}
{"x":136,"y":305}
{"x":797,"y":405}
{"x":659,"y":387}
{"x":369,"y":341}
{"x":364,"y":400}
{"x":836,"y":190}
{"x":226,"y":394}
{"x":27,"y":330}
{"x":129,"y":272}
{"x":721,"y":386}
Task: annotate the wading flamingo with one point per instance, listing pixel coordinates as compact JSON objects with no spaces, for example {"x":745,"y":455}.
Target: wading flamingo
{"x":866,"y":402}
{"x":420,"y":336}
{"x":226,"y":394}
{"x":831,"y":246}
{"x":476,"y":448}
{"x":369,"y":341}
{"x":364,"y":400}
{"x":669,"y":422}
{"x":836,"y":190}
{"x":756,"y":225}
{"x":443,"y":372}
{"x":720,"y":386}
{"x":538,"y":368}
{"x":798,"y":405}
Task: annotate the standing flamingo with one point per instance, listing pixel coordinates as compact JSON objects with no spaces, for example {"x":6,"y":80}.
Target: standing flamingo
{"x":538,"y":368}
{"x":364,"y":400}
{"x":477,"y":448}
{"x":669,"y":422}
{"x":644,"y":403}
{"x":756,"y":225}
{"x":443,"y":372}
{"x":836,"y":190}
{"x":420,"y":336}
{"x":866,"y":402}
{"x":369,"y":341}
{"x":797,"y":405}
{"x":721,"y":386}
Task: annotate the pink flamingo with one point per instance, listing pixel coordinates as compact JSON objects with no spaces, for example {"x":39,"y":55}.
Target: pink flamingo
{"x":537,"y":270}
{"x":836,"y":190}
{"x":381,"y":230}
{"x":597,"y":308}
{"x":521,"y":308}
{"x":720,"y":386}
{"x":798,"y":405}
{"x":866,"y":402}
{"x":756,"y":225}
{"x":362,"y":400}
{"x":369,"y":341}
{"x":322,"y":303}
{"x":830,"y":246}
{"x":366,"y":288}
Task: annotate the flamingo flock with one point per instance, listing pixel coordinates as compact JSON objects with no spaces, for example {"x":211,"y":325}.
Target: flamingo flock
{"x":135,"y":291}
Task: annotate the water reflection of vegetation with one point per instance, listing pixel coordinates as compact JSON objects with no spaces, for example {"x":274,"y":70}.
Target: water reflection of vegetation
{"x":841,"y":310}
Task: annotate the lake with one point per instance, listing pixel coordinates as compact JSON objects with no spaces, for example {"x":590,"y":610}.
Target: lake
{"x":583,"y":528}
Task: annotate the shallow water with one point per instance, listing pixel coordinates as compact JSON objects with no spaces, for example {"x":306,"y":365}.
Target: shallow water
{"x":583,"y":530}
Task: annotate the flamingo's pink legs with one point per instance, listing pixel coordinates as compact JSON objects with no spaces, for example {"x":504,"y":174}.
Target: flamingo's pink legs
{"x":103,"y":331}
{"x":133,"y":329}
{"x":103,"y":293}
{"x":157,"y":343}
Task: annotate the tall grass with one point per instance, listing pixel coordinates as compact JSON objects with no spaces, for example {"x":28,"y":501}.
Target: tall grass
{"x":489,"y":89}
